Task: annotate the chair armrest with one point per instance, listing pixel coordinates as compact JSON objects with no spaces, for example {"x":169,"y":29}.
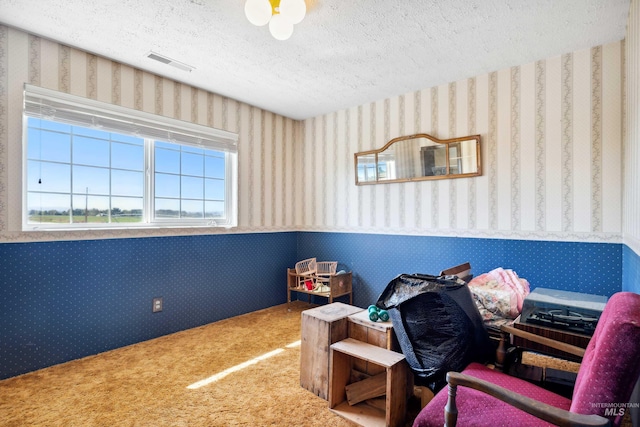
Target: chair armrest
{"x":540,"y":410}
{"x":558,"y":345}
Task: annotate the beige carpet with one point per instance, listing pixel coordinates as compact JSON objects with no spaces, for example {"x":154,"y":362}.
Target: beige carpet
{"x":146,"y":384}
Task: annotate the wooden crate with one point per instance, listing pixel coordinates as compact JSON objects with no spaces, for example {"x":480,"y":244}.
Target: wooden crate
{"x":321,"y":327}
{"x":379,"y":334}
{"x":395,"y":371}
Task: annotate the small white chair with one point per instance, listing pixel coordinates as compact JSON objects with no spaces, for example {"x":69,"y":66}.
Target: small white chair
{"x":324,"y":270}
{"x":306,"y":270}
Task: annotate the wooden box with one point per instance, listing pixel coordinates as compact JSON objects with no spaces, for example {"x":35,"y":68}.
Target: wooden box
{"x":321,"y":327}
{"x":395,"y":372}
{"x":378,"y":333}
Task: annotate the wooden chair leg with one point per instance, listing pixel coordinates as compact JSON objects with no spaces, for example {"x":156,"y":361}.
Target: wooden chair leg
{"x":501,"y":352}
{"x":450,"y":410}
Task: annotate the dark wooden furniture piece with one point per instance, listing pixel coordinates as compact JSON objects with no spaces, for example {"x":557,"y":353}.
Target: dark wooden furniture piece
{"x":526,"y":341}
{"x":463,"y":271}
{"x":554,"y":342}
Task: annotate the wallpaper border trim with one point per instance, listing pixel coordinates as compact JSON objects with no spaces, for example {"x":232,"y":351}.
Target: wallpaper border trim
{"x":559,"y":236}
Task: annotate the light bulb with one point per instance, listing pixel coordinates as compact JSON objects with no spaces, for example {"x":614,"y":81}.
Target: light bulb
{"x":258,"y":12}
{"x":293,"y":10}
{"x":280,"y":27}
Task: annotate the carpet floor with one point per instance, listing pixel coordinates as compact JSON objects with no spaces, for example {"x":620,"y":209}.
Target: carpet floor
{"x":147,"y":384}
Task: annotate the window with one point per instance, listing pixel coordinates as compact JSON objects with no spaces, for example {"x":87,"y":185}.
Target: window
{"x":93,"y":165}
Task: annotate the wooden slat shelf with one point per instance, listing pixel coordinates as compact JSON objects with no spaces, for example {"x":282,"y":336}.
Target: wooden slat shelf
{"x":370,"y":353}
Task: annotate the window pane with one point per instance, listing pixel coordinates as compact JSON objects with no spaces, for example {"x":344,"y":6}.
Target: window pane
{"x":167,"y":145}
{"x":61,"y":127}
{"x":127,"y":156}
{"x":89,"y":151}
{"x":192,"y":188}
{"x":126,"y":209}
{"x":125,"y":183}
{"x":126,"y":138}
{"x":52,"y":208}
{"x":87,"y":209}
{"x":214,"y":167}
{"x":190,"y":149}
{"x":192,"y":164}
{"x":214,"y":189}
{"x":167,"y":185}
{"x":167,"y":160}
{"x":167,"y":208}
{"x":49,"y":177}
{"x":192,"y":209}
{"x":95,"y":133}
{"x":214,"y":209}
{"x":45,"y":145}
{"x":90,"y":180}
{"x":33,"y":122}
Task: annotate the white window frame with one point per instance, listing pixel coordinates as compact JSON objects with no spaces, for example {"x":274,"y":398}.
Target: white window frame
{"x":70,"y":109}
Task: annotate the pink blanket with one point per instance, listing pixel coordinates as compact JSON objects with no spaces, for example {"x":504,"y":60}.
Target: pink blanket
{"x":499,"y":294}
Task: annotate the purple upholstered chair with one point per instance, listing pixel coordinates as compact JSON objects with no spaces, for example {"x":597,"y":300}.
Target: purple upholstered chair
{"x":609,"y":370}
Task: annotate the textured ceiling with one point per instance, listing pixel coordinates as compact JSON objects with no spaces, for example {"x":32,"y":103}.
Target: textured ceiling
{"x":343,"y":54}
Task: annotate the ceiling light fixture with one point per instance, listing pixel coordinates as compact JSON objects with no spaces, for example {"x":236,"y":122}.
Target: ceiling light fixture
{"x":281,"y":15}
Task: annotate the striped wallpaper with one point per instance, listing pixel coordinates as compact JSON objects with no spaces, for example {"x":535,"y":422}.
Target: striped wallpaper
{"x":266,"y":140}
{"x":551,"y":147}
{"x":632,"y":133}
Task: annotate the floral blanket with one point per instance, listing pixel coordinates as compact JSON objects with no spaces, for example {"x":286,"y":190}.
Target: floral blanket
{"x":498,"y":295}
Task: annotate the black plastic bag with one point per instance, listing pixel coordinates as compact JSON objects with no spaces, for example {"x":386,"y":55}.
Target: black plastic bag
{"x":437,"y":324}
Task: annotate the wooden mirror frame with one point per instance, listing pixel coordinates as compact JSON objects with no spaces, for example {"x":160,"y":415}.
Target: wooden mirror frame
{"x":374,"y":155}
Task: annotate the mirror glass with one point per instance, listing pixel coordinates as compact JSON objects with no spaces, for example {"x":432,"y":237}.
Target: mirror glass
{"x":366,"y":168}
{"x":419,"y":157}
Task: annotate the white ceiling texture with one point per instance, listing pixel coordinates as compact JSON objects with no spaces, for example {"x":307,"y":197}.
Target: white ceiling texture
{"x":343,"y":54}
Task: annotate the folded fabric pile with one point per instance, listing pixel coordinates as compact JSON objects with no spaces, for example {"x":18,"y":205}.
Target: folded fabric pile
{"x":498,"y":295}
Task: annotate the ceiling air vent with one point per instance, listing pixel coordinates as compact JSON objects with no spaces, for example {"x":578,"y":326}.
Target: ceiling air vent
{"x":160,"y":58}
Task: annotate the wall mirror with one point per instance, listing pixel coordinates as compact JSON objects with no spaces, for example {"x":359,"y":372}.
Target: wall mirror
{"x":419,"y":157}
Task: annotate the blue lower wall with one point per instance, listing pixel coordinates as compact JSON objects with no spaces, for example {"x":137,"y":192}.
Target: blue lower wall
{"x":65,"y":300}
{"x":375,"y":259}
{"x":630,"y":270}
